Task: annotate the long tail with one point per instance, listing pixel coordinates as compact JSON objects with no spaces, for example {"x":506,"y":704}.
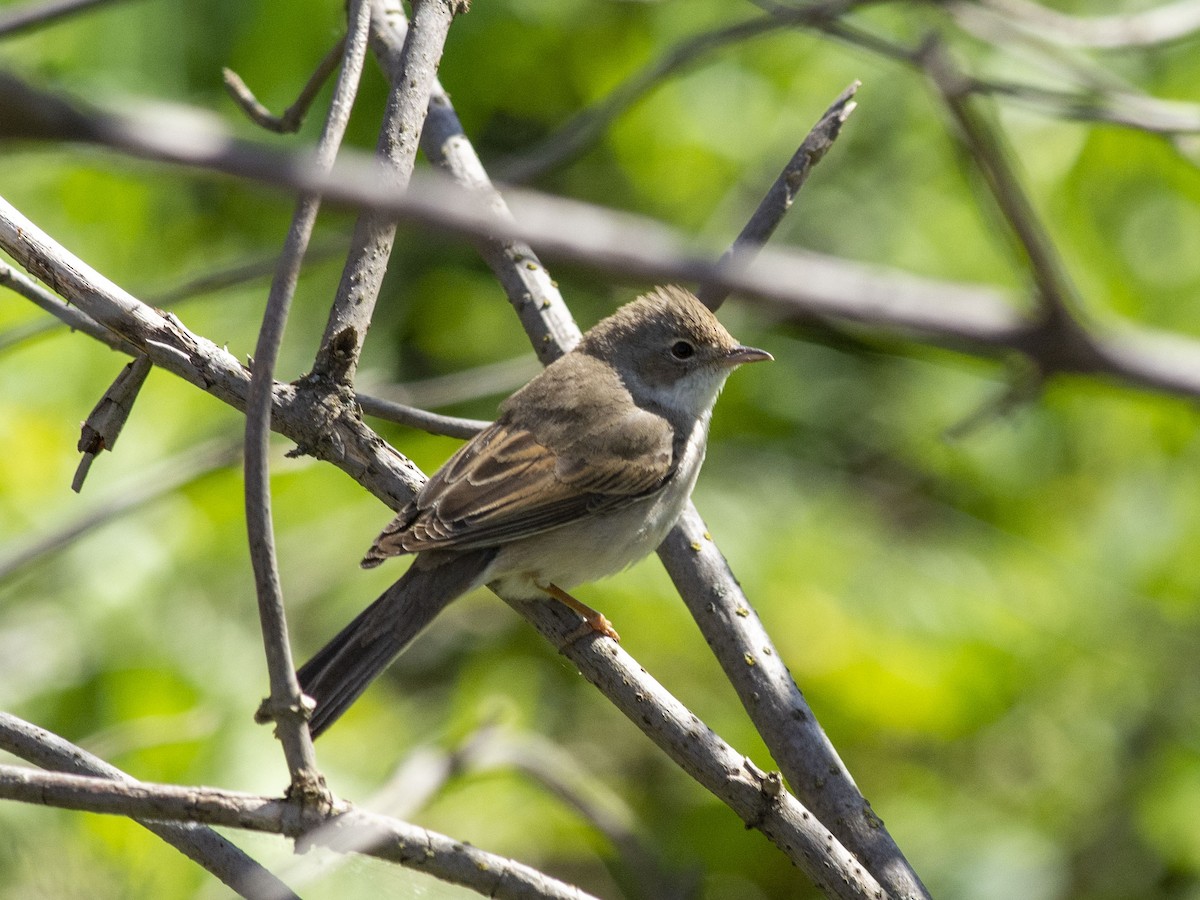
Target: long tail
{"x":341,"y":670}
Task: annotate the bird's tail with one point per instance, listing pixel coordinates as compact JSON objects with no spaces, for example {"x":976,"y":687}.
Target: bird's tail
{"x":342,"y":669}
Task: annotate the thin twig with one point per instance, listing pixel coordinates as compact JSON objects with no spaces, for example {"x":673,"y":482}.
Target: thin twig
{"x":1059,"y":300}
{"x":68,"y":315}
{"x":286,"y":704}
{"x":371,"y":244}
{"x":293,"y":116}
{"x":572,"y":138}
{"x":106,"y":421}
{"x":204,"y":283}
{"x":402,"y":414}
{"x":37,"y":14}
{"x":198,"y":842}
{"x":341,"y":828}
{"x":782,"y":193}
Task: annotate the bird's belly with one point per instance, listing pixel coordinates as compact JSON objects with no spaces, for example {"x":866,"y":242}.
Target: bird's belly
{"x":598,"y":545}
{"x":585,"y":551}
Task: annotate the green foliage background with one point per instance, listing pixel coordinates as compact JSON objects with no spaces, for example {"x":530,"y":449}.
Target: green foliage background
{"x":999,"y":631}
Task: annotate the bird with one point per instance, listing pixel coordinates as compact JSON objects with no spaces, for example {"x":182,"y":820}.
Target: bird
{"x":584,"y":471}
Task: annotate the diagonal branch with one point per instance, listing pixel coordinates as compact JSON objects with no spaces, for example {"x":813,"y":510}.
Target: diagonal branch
{"x":870,"y":841}
{"x":782,"y":193}
{"x":371,"y":244}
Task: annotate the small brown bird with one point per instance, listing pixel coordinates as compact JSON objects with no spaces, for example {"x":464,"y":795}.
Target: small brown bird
{"x":584,"y":472}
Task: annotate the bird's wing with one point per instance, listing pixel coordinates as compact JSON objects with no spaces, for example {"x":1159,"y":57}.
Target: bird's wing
{"x":505,"y":484}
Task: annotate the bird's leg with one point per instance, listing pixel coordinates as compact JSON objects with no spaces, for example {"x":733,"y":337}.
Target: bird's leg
{"x":594,"y":621}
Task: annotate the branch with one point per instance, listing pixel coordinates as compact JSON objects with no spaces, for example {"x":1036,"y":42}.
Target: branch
{"x":1145,"y":28}
{"x":530,"y":289}
{"x":1056,"y":292}
{"x":106,"y":421}
{"x":972,"y":320}
{"x":324,"y":427}
{"x":343,"y":829}
{"x":371,"y":244}
{"x":293,"y":116}
{"x":286,"y":704}
{"x":199,"y":843}
{"x":573,"y":137}
{"x":35,"y":15}
{"x":759,"y":798}
{"x":733,"y":629}
{"x":782,"y":193}
{"x":450,"y":426}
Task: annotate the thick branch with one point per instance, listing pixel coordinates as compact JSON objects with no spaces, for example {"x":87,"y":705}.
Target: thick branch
{"x":325,"y":427}
{"x":758,"y":797}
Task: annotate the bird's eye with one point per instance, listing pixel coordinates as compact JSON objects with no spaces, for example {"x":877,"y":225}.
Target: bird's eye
{"x":682,"y":350}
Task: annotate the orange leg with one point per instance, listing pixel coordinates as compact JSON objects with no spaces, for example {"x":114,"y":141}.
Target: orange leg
{"x":595,"y":621}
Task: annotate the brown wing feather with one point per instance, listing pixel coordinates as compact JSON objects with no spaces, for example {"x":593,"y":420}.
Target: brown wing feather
{"x":504,"y":485}
{"x":508,"y":483}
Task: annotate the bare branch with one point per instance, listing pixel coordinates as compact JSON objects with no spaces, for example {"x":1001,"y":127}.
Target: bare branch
{"x":286,"y":704}
{"x":1145,"y":28}
{"x":759,"y":798}
{"x":293,"y":116}
{"x":631,"y":246}
{"x":1060,"y":305}
{"x":325,"y":427}
{"x":584,"y":127}
{"x":371,"y":245}
{"x":206,"y":282}
{"x":782,"y":193}
{"x":450,"y":426}
{"x":344,"y":828}
{"x":105,"y":422}
{"x":68,"y":315}
{"x":529,"y":288}
{"x":733,"y":630}
{"x":37,"y":14}
{"x":198,"y":842}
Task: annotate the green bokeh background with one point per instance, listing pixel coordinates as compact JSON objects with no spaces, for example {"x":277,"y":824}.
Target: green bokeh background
{"x":998,"y":630}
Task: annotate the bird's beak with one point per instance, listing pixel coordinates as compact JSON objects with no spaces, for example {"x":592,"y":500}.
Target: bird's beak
{"x":739,"y":355}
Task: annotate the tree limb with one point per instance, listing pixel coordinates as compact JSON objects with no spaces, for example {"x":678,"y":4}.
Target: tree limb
{"x":286,"y":705}
{"x":371,"y":243}
{"x":198,"y":842}
{"x":341,"y":828}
